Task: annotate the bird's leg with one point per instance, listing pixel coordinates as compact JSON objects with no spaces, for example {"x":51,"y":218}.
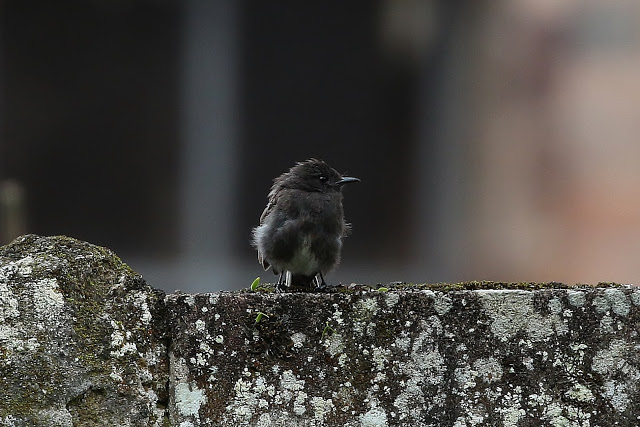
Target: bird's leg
{"x":279,"y":284}
{"x":289,"y":277}
{"x":321,"y":285}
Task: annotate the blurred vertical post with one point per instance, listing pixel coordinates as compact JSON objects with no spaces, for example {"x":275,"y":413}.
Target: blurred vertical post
{"x":12,"y":211}
{"x":443,"y":136}
{"x":209,"y":140}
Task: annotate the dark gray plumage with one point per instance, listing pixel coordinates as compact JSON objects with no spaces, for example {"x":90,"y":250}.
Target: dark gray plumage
{"x":301,"y":229}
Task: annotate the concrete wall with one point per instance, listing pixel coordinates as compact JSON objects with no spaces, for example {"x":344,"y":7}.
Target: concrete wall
{"x":84,"y":340}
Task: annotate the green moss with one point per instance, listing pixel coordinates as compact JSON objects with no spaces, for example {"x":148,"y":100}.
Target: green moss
{"x":43,"y":380}
{"x":452,"y":287}
{"x":490,"y":285}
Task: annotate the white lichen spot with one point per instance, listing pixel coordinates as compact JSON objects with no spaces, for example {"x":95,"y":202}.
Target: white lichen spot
{"x":442,"y":303}
{"x":127,"y":348}
{"x":554,"y":414}
{"x":366,"y":309}
{"x":321,"y":407}
{"x":609,"y":361}
{"x":200,"y":359}
{"x":489,"y":370}
{"x":188,"y":399}
{"x":601,"y":304}
{"x":47,"y":298}
{"x":606,"y":324}
{"x":391,"y":299}
{"x":206,"y":348}
{"x":155,"y":355}
{"x":291,"y":388}
{"x":426,"y":368}
{"x":555,"y":306}
{"x":146,"y":376}
{"x":618,"y":300}
{"x":298,"y":339}
{"x":245,"y":401}
{"x":141,"y":302}
{"x":379,"y":378}
{"x":115,"y":376}
{"x":635,"y":297}
{"x":512,"y":312}
{"x":219,"y":339}
{"x":299,"y":403}
{"x":342,"y":360}
{"x":511,"y":416}
{"x":334,"y":344}
{"x":464,"y":377}
{"x":200,"y":325}
{"x":403,"y":341}
{"x":8,"y":303}
{"x":374,"y":417}
{"x":119,"y":342}
{"x":617,"y":394}
{"x":337,"y":315}
{"x":288,"y":381}
{"x":24,"y":266}
{"x":576,"y":298}
{"x":469,"y":420}
{"x":380,"y":358}
{"x":528,"y":363}
{"x":264,"y":421}
{"x":581,"y":393}
{"x":117,"y":339}
{"x":579,"y":347}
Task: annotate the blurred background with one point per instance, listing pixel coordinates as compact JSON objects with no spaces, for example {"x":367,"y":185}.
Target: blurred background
{"x":494,"y":139}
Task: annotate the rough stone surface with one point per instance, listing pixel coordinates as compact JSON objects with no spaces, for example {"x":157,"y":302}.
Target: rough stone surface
{"x":554,"y":357}
{"x":84,"y":341}
{"x":81,"y":338}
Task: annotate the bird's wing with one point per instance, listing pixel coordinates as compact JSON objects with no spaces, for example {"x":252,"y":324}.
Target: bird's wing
{"x":270,"y":205}
{"x":273,"y":200}
{"x":267,"y":210}
{"x":263,"y":262}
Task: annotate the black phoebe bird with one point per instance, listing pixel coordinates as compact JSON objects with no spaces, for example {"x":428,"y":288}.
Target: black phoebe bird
{"x":301,"y":229}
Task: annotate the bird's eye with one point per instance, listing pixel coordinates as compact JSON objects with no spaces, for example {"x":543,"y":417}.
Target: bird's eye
{"x":323,"y":178}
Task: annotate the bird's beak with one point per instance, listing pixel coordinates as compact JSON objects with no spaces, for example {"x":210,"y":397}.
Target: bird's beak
{"x":346,"y":179}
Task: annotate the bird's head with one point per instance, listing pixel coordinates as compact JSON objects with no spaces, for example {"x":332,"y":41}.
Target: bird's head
{"x":314,"y":175}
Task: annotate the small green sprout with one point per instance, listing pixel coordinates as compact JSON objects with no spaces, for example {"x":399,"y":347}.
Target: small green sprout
{"x":260,"y":315}
{"x":255,"y":284}
{"x":383,"y":289}
{"x":327,"y":329}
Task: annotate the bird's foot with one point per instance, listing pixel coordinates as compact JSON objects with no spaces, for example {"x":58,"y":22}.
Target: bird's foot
{"x":325,"y":287}
{"x":280,"y":284}
{"x":322,"y":286}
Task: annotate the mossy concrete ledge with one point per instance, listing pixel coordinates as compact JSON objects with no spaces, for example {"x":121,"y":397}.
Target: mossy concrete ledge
{"x":84,"y":341}
{"x":82,"y":338}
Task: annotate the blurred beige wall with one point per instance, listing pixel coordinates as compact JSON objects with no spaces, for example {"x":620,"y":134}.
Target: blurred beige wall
{"x":558,"y":141}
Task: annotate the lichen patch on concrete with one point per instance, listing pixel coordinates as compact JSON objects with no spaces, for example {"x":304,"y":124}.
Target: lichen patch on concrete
{"x":482,"y":357}
{"x":188,"y":399}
